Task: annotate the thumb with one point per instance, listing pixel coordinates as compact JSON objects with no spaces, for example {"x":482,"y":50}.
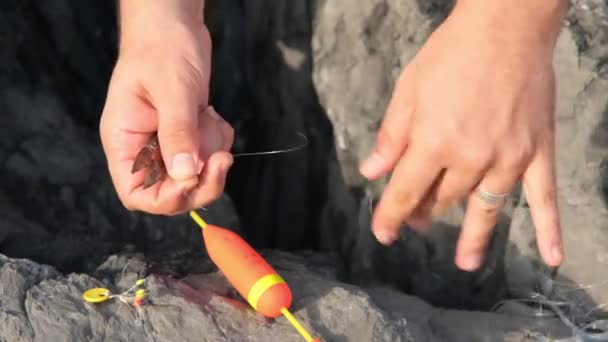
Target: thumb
{"x":178,"y":133}
{"x":392,"y":135}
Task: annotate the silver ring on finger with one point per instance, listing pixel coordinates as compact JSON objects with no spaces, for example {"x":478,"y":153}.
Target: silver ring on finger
{"x":492,"y":198}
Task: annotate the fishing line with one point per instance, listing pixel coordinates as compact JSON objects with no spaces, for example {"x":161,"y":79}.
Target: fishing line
{"x":292,"y":149}
{"x":247,"y":154}
{"x":594,"y":331}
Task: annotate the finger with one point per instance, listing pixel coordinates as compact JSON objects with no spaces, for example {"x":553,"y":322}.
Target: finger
{"x":227,"y":134}
{"x":212,"y":180}
{"x":392,"y":135}
{"x":420,"y":218}
{"x":451,"y":188}
{"x":216,"y":134}
{"x":454,"y":187}
{"x":177,"y":104}
{"x":419,"y":222}
{"x":541,"y":193}
{"x":162,"y":198}
{"x":170,"y":198}
{"x":480,"y":219}
{"x":120,"y":144}
{"x":409,"y":184}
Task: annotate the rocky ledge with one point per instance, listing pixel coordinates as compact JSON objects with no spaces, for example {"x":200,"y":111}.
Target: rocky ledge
{"x":280,"y":67}
{"x":39,"y":303}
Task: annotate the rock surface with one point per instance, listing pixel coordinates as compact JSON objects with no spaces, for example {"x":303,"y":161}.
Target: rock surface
{"x":279,"y":68}
{"x":40,"y":304}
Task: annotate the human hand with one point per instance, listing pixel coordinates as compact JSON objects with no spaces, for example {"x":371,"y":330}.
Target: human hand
{"x":474,"y":110}
{"x":160,"y":85}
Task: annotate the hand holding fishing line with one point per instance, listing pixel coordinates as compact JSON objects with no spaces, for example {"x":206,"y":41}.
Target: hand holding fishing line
{"x":160,"y":86}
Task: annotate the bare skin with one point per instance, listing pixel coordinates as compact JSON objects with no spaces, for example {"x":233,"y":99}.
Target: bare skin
{"x":160,"y":85}
{"x":473,"y":109}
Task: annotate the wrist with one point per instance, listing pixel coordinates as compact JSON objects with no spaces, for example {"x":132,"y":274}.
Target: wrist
{"x":520,"y":22}
{"x":141,"y":17}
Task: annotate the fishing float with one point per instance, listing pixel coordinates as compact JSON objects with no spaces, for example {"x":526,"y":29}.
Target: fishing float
{"x":249,"y":273}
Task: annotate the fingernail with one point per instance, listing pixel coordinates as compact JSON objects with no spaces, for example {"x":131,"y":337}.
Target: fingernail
{"x":383,"y":236}
{"x":183,"y":166}
{"x":556,"y":253}
{"x":211,"y":111}
{"x":371,"y":164}
{"x":470,"y":262}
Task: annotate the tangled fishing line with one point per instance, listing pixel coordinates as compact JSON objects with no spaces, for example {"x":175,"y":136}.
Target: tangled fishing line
{"x":579,"y":320}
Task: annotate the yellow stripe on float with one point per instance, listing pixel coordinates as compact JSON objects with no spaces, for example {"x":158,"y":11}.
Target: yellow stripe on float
{"x":260,"y":286}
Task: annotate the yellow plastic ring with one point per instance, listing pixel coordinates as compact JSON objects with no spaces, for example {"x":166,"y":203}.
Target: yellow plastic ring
{"x":260,"y":286}
{"x":96,"y":295}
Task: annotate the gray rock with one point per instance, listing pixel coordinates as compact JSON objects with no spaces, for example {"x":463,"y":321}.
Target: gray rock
{"x":358,"y":53}
{"x":39,"y":304}
{"x":57,"y":204}
{"x":581,"y":114}
{"x":16,"y":278}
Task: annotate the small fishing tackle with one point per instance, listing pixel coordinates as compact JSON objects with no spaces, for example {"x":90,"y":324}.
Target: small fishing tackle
{"x":134,"y":296}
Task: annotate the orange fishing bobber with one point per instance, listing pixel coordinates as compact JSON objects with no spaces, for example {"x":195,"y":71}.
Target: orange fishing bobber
{"x":249,"y":273}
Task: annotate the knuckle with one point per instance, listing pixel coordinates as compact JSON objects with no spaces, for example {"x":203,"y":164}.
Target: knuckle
{"x":516,"y":158}
{"x":435,"y":144}
{"x":386,"y":140}
{"x":179,"y":132}
{"x":188,"y":76}
{"x":403,"y":198}
{"x":478,"y":157}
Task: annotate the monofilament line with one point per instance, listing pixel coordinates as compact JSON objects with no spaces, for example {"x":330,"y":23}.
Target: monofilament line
{"x":276,"y":151}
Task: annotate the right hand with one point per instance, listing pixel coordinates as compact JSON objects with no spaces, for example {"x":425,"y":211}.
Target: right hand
{"x":160,"y":84}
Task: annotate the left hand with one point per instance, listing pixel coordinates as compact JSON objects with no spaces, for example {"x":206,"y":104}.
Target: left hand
{"x":473,"y":110}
